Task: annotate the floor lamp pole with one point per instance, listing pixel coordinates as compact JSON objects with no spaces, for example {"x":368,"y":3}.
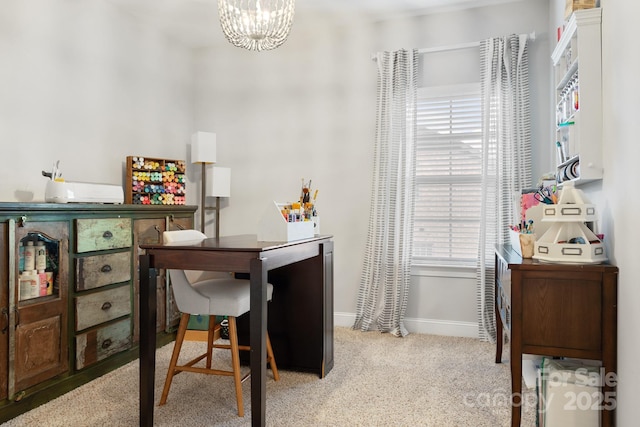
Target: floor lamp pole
{"x":202,"y":196}
{"x":217,"y":217}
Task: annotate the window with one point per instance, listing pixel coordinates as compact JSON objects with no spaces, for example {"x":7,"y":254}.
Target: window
{"x":448,"y":175}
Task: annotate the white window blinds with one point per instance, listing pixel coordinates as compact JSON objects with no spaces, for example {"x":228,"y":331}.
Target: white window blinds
{"x":448,"y":175}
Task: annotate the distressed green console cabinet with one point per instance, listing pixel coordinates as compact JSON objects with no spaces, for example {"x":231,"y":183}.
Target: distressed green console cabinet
{"x":80,"y":320}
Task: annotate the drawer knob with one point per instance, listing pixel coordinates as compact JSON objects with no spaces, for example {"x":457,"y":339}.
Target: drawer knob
{"x":106,"y":343}
{"x":107,"y":234}
{"x":106,"y":306}
{"x":106,"y":268}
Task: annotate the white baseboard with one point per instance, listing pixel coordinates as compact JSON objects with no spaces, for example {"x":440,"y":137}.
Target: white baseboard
{"x":421,"y":326}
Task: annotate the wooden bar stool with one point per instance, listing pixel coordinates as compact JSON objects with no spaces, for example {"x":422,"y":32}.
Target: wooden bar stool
{"x":213,"y":296}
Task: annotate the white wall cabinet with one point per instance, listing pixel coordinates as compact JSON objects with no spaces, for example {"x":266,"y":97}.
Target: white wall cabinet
{"x":577,"y":63}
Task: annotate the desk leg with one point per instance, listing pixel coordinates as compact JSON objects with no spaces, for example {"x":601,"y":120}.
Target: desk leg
{"x":327,"y":298}
{"x":147,"y":339}
{"x":609,"y":400}
{"x":498,"y":318}
{"x":516,"y":349}
{"x":257,"y":341}
{"x":609,"y":346}
{"x":499,"y":338}
{"x":516,"y":388}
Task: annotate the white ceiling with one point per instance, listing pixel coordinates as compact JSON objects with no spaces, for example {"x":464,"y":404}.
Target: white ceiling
{"x":190,"y":20}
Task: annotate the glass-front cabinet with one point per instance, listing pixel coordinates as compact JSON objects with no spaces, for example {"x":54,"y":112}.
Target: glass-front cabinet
{"x":40,"y":303}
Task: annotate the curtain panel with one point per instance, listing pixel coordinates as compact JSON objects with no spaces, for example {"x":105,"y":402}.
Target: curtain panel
{"x":385,"y":278}
{"x":506,"y":167}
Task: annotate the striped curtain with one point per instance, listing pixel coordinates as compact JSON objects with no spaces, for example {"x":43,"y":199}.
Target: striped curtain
{"x":506,"y":168}
{"x":384,"y":283}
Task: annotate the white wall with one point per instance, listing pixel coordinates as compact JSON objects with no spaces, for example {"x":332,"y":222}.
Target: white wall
{"x":85,"y":84}
{"x":307,"y":110}
{"x":614,"y":196}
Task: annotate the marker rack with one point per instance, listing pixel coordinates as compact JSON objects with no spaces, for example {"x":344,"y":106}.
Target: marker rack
{"x":152,"y":181}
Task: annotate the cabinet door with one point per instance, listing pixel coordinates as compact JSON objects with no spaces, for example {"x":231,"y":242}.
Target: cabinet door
{"x":147,"y":231}
{"x":4,"y":311}
{"x":572,"y":300}
{"x":41,"y":345}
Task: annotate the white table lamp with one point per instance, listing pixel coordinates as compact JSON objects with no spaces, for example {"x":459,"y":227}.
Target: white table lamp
{"x":220,"y":186}
{"x":220,"y":182}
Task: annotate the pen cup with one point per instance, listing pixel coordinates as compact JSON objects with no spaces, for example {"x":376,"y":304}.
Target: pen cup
{"x":527,"y":244}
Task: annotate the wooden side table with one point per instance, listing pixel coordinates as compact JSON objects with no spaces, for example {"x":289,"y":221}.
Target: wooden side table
{"x":557,"y":310}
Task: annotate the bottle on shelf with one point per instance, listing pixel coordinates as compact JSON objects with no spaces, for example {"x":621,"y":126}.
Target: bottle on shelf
{"x":29,"y":285}
{"x":29,"y":257}
{"x":45,"y":282}
{"x":41,"y":256}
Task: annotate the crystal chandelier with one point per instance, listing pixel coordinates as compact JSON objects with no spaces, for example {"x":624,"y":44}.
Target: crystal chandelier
{"x":256,"y":24}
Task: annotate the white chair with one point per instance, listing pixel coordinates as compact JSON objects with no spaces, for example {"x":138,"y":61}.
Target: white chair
{"x":210,"y":295}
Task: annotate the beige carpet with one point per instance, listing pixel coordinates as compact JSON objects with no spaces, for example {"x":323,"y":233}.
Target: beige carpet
{"x":378,"y":380}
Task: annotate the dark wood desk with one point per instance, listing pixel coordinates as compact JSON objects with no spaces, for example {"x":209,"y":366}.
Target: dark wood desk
{"x":556,"y":310}
{"x":302,"y":269}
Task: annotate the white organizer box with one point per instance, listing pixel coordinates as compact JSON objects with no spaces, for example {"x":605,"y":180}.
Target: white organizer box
{"x":554,"y":245}
{"x":274,"y":228}
{"x":568,"y":393}
{"x":558,"y":243}
{"x":569,"y":213}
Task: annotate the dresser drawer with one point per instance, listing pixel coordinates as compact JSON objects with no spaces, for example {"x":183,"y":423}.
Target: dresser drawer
{"x":100,"y":307}
{"x":99,"y":270}
{"x":103,"y":233}
{"x":98,"y":344}
{"x":504,"y":308}
{"x":503,"y":275}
